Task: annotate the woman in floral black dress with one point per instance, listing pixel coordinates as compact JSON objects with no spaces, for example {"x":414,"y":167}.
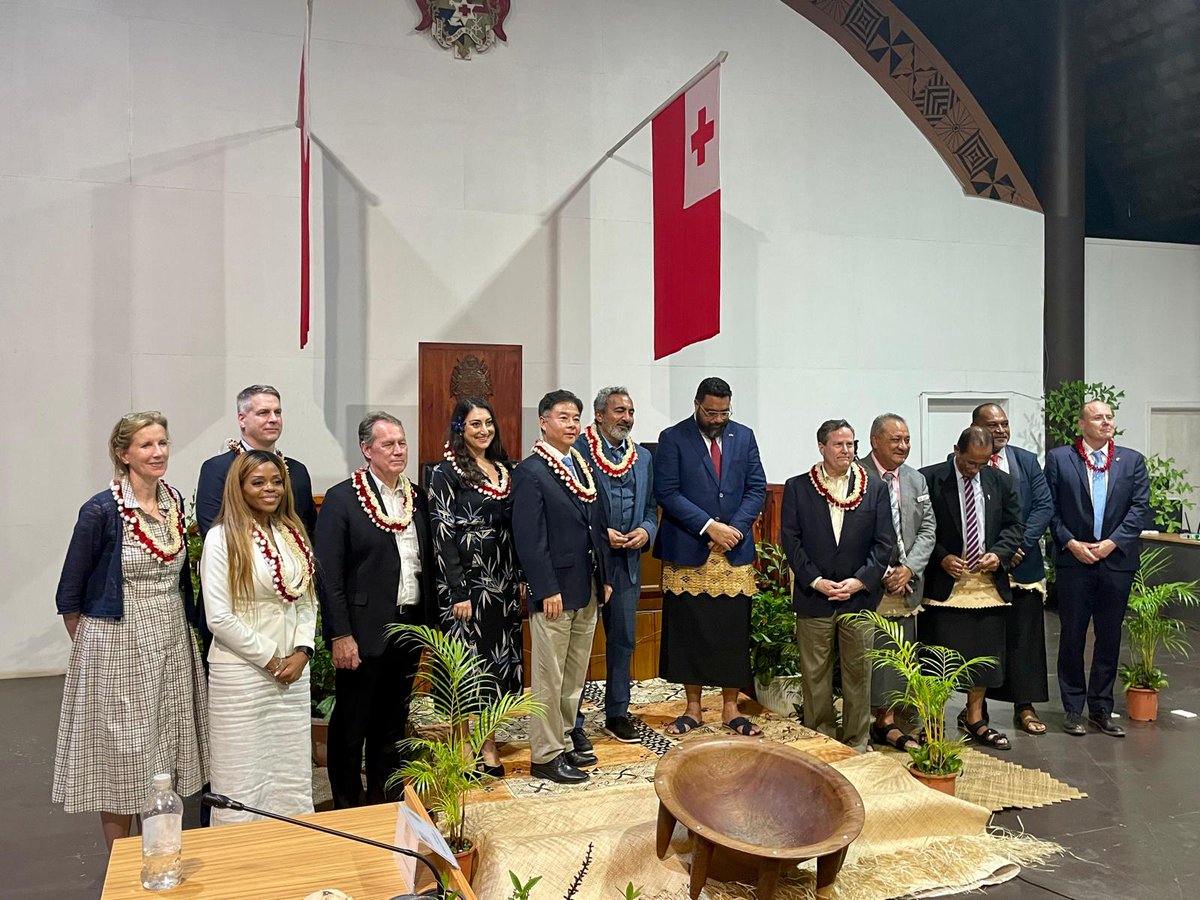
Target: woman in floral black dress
{"x":478,"y":578}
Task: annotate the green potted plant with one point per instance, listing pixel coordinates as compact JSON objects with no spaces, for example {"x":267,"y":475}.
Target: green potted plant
{"x":443,"y":765}
{"x":931,"y":675}
{"x":774,"y":656}
{"x":1168,"y":489}
{"x":1150,"y":630}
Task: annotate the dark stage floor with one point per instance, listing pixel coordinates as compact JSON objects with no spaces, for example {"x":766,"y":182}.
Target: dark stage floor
{"x":1135,"y":836}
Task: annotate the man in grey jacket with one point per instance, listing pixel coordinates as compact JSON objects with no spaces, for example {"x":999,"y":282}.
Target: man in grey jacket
{"x":912,"y":518}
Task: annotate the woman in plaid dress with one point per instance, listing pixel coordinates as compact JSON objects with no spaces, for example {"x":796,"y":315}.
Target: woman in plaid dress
{"x":134,"y":703}
{"x":257,"y":572}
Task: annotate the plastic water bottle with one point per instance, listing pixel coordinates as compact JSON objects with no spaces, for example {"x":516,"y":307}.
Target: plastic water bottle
{"x":162,"y":837}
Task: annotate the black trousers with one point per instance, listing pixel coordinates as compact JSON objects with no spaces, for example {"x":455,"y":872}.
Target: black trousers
{"x":371,"y":709}
{"x":1090,"y":594}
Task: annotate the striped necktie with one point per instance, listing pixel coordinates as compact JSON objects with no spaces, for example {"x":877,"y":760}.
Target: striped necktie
{"x":890,"y":478}
{"x":972,"y":523}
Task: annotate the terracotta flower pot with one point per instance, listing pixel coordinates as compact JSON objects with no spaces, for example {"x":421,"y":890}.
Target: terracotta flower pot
{"x":943,"y":783}
{"x":1141,"y":704}
{"x":466,"y":862}
{"x":320,"y":742}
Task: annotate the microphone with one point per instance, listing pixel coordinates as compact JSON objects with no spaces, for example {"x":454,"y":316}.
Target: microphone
{"x":220,"y":801}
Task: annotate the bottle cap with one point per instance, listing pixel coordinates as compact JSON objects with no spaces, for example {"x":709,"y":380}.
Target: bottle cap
{"x":162,"y":782}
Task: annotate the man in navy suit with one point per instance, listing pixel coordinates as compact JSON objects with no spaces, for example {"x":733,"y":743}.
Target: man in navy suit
{"x":710,"y":484}
{"x":563,"y":548}
{"x":836,"y":529}
{"x":260,"y":420}
{"x":625,"y":477}
{"x":1025,"y":677}
{"x":1101,"y":497}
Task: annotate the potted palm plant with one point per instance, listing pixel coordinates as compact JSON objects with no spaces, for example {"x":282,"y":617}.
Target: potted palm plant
{"x":443,"y":764}
{"x":1150,"y":630}
{"x":774,"y":656}
{"x":931,"y":675}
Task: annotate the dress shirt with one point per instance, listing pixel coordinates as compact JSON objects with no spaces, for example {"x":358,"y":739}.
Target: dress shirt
{"x":1002,"y":460}
{"x":895,"y":481}
{"x":1091,"y":452}
{"x":977,"y":485}
{"x":839,"y":487}
{"x":708,"y":442}
{"x":408,"y":590}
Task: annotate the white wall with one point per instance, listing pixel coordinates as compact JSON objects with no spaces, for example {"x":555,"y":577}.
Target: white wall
{"x":149,"y":232}
{"x":1143,"y":328}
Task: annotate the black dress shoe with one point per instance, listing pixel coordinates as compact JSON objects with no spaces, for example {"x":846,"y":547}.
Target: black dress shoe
{"x":1105,"y":724}
{"x":579,"y":759}
{"x":622,"y":729}
{"x":492,"y":771}
{"x":558,"y":770}
{"x":579,"y":740}
{"x":1073,"y":724}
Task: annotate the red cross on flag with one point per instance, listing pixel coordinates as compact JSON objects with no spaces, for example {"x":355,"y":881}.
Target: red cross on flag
{"x":687,"y":218}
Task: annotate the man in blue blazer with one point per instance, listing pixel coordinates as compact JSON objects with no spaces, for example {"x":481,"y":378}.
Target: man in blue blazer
{"x":625,"y":480}
{"x":563,"y":548}
{"x":1025,"y":677}
{"x":710,"y":484}
{"x":1101,"y":497}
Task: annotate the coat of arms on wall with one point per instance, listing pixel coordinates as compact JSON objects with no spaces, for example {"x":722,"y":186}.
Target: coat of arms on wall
{"x":471,"y":379}
{"x":464,"y":25}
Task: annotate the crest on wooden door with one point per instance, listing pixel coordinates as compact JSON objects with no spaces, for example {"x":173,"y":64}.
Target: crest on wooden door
{"x":471,"y":377}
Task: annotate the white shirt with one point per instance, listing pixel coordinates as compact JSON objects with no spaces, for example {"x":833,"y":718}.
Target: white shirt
{"x":1091,"y":452}
{"x":1002,"y":460}
{"x":408,"y":590}
{"x":962,"y":509}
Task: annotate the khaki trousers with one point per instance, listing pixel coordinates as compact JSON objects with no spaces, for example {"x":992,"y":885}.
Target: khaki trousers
{"x":561,"y":650}
{"x":816,"y":639}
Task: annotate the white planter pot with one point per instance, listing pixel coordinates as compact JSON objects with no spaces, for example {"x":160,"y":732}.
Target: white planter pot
{"x":781,"y":695}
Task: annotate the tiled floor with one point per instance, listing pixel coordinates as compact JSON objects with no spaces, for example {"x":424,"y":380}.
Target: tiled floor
{"x":1136,"y":836}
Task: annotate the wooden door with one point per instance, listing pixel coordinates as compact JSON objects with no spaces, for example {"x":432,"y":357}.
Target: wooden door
{"x":450,"y":372}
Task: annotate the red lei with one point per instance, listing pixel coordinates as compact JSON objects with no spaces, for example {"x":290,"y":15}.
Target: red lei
{"x":1087,"y":457}
{"x":371,"y":506}
{"x":275,"y":564}
{"x":133,"y":524}
{"x":485,"y":487}
{"x":612,"y":470}
{"x":858,"y":490}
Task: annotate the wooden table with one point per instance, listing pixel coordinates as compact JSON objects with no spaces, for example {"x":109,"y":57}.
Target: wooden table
{"x":270,"y":860}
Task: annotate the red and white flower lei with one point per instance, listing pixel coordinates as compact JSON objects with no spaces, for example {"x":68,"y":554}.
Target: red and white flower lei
{"x":374,"y":510}
{"x":1087,"y":457}
{"x":299,"y":550}
{"x":485,"y":487}
{"x":133,"y":524}
{"x":612,"y":470}
{"x":238,"y":448}
{"x":858,"y":476}
{"x":585,"y":490}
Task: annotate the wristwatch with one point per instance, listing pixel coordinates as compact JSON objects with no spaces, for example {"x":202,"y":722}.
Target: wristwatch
{"x":307,"y":651}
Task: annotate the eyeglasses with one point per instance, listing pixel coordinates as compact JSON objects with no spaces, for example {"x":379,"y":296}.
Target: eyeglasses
{"x":717,"y":413}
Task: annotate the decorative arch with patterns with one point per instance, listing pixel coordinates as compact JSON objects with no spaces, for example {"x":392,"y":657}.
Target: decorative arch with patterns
{"x":905,"y":64}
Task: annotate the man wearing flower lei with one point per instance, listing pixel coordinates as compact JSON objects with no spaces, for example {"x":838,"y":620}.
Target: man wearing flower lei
{"x":375,"y":554}
{"x":836,"y":529}
{"x":625,"y":476}
{"x":563,"y":548}
{"x":260,"y":421}
{"x":711,"y":485}
{"x":1101,"y":504}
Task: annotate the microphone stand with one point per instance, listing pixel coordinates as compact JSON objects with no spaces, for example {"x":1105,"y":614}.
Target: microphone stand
{"x":220,"y":801}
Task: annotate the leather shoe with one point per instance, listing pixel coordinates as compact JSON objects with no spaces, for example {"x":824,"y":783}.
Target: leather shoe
{"x":558,"y":770}
{"x":1073,"y":724}
{"x":1105,"y":724}
{"x":579,"y":740}
{"x":622,"y":729}
{"x":579,"y":759}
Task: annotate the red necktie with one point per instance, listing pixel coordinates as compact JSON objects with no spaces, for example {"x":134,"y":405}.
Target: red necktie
{"x":995,"y":460}
{"x":714,"y":450}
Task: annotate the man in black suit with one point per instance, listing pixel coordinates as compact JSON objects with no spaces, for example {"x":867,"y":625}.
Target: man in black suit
{"x":562,"y":543}
{"x":1101,"y":500}
{"x":375,"y":556}
{"x":260,"y":419}
{"x":967,"y":591}
{"x":836,"y":528}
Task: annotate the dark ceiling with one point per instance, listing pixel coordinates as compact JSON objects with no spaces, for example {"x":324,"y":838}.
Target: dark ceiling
{"x":1142,"y":107}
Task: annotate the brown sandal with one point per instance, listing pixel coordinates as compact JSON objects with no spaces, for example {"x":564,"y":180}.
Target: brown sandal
{"x":1029,"y":724}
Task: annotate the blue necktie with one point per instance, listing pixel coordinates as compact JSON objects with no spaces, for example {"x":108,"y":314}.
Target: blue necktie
{"x":1099,"y":494}
{"x":570,"y":465}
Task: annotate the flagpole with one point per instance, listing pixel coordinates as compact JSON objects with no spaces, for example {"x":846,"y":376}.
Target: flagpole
{"x":717,"y":60}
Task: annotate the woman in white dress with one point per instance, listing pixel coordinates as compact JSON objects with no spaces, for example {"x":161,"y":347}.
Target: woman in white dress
{"x":257,"y":573}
